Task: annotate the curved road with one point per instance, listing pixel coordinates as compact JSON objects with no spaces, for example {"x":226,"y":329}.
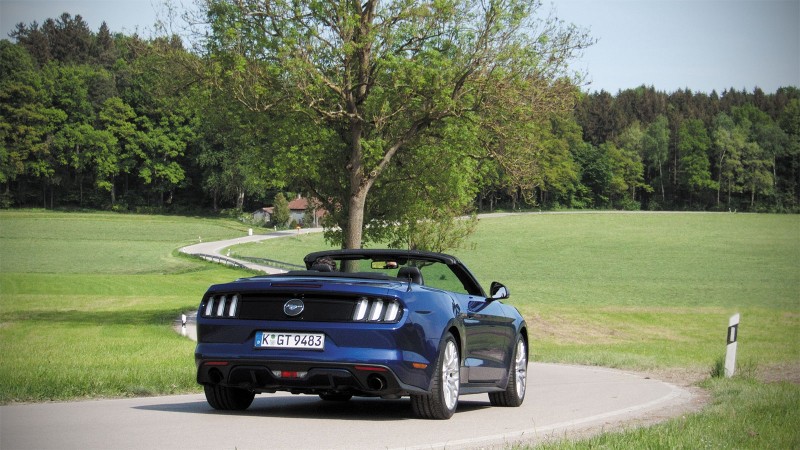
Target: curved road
{"x":561,"y":400}
{"x":215,"y":248}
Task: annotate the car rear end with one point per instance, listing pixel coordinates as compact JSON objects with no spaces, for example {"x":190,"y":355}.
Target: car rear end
{"x":313,"y":335}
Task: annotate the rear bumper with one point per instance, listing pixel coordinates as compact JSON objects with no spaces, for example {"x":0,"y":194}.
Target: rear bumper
{"x":399,"y":354}
{"x":303,"y":377}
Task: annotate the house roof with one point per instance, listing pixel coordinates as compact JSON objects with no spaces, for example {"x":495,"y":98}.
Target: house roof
{"x":298,"y":205}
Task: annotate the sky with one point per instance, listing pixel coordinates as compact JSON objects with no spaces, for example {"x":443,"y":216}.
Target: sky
{"x":702,"y":45}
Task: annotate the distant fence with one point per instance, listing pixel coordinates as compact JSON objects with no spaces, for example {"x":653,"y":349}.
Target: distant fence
{"x":273,"y":263}
{"x":221,"y":260}
{"x":260,"y":261}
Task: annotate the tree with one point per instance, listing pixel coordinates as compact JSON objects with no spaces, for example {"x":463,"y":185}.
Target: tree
{"x":162,"y":145}
{"x":119,"y":119}
{"x":729,"y":142}
{"x":280,"y":210}
{"x":789,"y":121}
{"x":65,"y":39}
{"x":103,"y":50}
{"x":156,"y":88}
{"x":597,"y":115}
{"x":88,"y":152}
{"x":230,"y":151}
{"x":766,"y":141}
{"x":27,"y":121}
{"x":385,"y":76}
{"x":631,"y":146}
{"x":757,"y":174}
{"x":656,"y":149}
{"x":695,"y":169}
{"x":559,"y":170}
{"x":596,"y":172}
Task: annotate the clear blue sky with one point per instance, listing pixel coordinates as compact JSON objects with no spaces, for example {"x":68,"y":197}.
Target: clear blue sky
{"x":702,"y":45}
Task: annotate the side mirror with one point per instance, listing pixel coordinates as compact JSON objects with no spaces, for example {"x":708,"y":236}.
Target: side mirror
{"x":498,"y":291}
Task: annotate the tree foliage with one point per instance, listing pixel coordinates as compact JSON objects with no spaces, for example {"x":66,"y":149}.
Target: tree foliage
{"x":280,"y":212}
{"x":390,"y":78}
{"x":425,"y":111}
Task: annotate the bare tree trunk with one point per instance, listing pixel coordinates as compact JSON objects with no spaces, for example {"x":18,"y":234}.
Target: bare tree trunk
{"x":240,"y":200}
{"x":355,"y":219}
{"x":719,"y":178}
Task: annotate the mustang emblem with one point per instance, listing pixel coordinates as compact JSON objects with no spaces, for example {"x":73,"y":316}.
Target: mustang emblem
{"x":293,"y":307}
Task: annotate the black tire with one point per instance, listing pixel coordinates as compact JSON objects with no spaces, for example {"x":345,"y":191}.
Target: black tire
{"x":335,"y":397}
{"x":227,"y":398}
{"x":517,"y":378}
{"x":442,"y":401}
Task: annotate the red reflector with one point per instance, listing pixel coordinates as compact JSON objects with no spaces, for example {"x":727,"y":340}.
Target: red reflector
{"x":371,"y":369}
{"x":289,"y":374}
{"x":216,"y":363}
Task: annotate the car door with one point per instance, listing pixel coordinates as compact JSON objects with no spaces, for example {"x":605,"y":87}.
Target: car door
{"x":488,"y":337}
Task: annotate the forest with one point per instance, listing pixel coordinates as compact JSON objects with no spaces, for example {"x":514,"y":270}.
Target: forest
{"x":97,"y":120}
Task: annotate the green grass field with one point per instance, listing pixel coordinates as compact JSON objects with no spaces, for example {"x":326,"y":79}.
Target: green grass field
{"x":86,"y":303}
{"x":87,"y":299}
{"x":652,"y":292}
{"x":638,"y":291}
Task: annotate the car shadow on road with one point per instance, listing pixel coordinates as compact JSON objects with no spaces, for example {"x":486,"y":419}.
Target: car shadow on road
{"x":309,"y":407}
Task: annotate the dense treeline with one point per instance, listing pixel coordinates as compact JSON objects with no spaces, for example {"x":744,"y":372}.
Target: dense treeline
{"x":685,"y":150}
{"x":100,"y":120}
{"x":94,"y":120}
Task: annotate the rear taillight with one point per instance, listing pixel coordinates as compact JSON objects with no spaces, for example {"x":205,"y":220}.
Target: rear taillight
{"x":376,"y":310}
{"x":221,"y":306}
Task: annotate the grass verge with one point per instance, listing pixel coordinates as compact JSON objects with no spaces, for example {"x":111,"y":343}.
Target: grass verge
{"x":743,"y":413}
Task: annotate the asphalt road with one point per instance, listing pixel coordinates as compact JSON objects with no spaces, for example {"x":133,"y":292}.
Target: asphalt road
{"x":216,"y":247}
{"x":561,"y":399}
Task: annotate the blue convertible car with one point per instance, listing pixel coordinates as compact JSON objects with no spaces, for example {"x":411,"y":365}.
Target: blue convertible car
{"x":377,"y":323}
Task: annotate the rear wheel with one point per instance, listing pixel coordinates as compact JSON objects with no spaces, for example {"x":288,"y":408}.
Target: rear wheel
{"x":442,"y":401}
{"x":517,"y":379}
{"x":227,"y":398}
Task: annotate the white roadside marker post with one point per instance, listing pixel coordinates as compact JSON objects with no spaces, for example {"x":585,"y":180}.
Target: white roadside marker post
{"x":183,"y":324}
{"x":730,"y":354}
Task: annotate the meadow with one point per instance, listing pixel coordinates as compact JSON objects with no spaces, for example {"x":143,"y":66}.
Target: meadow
{"x":652,"y":293}
{"x":87,"y":301}
{"x":638,"y":291}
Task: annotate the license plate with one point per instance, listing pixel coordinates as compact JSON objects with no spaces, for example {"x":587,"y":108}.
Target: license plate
{"x":275,"y":339}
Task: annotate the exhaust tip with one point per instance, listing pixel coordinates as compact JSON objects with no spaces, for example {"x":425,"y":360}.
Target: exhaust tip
{"x":215,"y":376}
{"x":376,"y":382}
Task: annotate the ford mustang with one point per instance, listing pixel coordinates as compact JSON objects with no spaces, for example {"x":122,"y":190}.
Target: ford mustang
{"x":374,"y":323}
